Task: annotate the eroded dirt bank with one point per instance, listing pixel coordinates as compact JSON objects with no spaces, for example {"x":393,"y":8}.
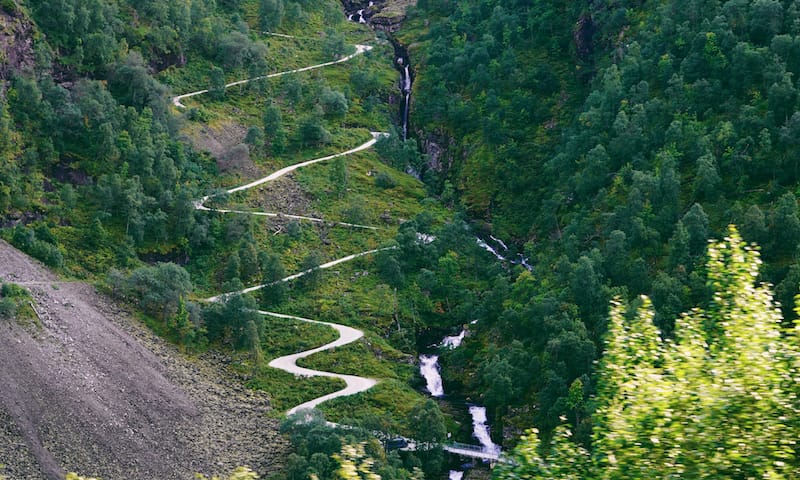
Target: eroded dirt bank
{"x":95,"y":392}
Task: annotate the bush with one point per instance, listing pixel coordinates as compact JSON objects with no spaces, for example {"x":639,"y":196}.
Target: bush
{"x":312,"y":132}
{"x":158,"y":290}
{"x":25,"y":239}
{"x":385,"y":181}
{"x":8,"y":308}
{"x":13,"y":300}
{"x":356,"y":214}
{"x":198,"y":114}
{"x":333,"y":103}
{"x":8,"y":6}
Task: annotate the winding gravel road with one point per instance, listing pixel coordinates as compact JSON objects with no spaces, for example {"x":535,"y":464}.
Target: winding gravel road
{"x":288,"y":363}
{"x":359,"y":50}
{"x":200,"y":204}
{"x":347,"y":335}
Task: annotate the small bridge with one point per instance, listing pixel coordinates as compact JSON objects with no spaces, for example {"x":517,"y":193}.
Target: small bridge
{"x":462,"y":449}
{"x":474,"y":451}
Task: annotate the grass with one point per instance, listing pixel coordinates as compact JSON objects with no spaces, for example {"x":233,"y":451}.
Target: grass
{"x":369,"y":357}
{"x":389,"y":399}
{"x":16,"y":303}
{"x":286,"y":390}
{"x":286,"y":336}
{"x":350,"y":293}
{"x":283,"y":337}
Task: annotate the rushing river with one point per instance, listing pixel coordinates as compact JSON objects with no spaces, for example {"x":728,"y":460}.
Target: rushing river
{"x":480,"y":429}
{"x":520,"y":259}
{"x":429,"y":369}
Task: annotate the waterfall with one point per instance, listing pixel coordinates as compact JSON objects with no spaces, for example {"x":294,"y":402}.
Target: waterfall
{"x":519,"y":260}
{"x":401,"y":60}
{"x":429,"y":368}
{"x":406,"y":103}
{"x":405,"y":89}
{"x":499,"y":242}
{"x":480,"y":429}
{"x":454,"y":341}
{"x":489,"y":249}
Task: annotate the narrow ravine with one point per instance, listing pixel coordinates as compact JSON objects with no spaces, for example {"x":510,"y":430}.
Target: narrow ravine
{"x":355,"y":11}
{"x":404,"y":67}
{"x":429,"y":370}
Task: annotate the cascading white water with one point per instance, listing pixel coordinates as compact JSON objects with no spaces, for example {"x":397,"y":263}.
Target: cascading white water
{"x":454,"y":341}
{"x":521,"y":260}
{"x":406,"y":102}
{"x":405,"y":88}
{"x":489,"y":249}
{"x":429,"y":369}
{"x":456,"y":475}
{"x":499,"y":242}
{"x":524,"y":262}
{"x":480,"y":429}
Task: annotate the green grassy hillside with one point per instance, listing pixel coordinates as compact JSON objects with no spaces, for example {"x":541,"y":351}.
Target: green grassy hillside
{"x":100,"y":172}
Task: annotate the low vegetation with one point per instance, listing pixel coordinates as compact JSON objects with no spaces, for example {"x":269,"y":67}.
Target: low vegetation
{"x":16,"y":303}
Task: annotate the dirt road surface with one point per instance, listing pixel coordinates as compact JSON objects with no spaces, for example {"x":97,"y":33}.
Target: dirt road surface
{"x":91,"y":390}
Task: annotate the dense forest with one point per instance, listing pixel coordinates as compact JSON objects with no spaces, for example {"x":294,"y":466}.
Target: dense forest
{"x":607,"y":142}
{"x":598,"y":146}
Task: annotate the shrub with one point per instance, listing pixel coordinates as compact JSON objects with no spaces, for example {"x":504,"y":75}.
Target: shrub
{"x":8,"y":308}
{"x":385,"y":181}
{"x":25,"y":239}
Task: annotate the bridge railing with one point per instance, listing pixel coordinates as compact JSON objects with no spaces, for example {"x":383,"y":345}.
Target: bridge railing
{"x":467,"y":446}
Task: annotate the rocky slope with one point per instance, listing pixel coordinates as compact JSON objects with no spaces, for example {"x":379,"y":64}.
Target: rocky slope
{"x":386,"y":15}
{"x":16,"y":40}
{"x":90,"y":390}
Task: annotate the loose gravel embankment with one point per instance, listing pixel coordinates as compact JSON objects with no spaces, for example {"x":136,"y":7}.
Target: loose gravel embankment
{"x":93,"y":391}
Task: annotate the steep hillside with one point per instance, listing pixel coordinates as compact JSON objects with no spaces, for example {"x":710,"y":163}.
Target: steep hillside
{"x":87,"y":389}
{"x":134,"y":111}
{"x":606,"y":142}
{"x":16,"y":41}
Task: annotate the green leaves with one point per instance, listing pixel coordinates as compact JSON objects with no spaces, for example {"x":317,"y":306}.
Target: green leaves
{"x":717,"y":402}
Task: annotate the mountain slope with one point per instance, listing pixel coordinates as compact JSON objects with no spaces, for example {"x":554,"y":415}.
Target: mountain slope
{"x":90,"y":390}
{"x":607,"y":141}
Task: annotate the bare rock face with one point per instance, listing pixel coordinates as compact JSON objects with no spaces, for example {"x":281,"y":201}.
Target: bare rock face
{"x":88,"y":389}
{"x":16,"y":41}
{"x":439,"y":147}
{"x":583,"y":37}
{"x":386,"y":15}
{"x":225,"y":142}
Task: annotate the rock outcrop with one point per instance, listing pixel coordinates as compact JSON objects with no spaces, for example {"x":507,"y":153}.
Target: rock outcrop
{"x":16,"y":40}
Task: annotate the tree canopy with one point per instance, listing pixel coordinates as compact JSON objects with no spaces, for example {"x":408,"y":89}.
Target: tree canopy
{"x":719,"y":400}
